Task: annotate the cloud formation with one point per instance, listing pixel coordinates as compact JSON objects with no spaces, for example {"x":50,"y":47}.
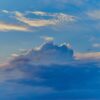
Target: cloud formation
{"x":39,"y":19}
{"x":57,"y":18}
{"x":12,"y":27}
{"x":95,"y":14}
{"x":91,"y":55}
{"x":46,"y":72}
{"x":46,"y":54}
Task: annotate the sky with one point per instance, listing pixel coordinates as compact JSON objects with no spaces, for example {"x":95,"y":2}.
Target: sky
{"x":25,"y":24}
{"x":50,"y":49}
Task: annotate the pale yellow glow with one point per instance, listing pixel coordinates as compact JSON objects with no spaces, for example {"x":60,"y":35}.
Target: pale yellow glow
{"x":11,"y":27}
{"x":88,"y":55}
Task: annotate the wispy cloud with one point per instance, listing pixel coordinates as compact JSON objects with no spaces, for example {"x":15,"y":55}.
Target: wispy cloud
{"x":57,"y":18}
{"x":4,"y":11}
{"x":34,"y":22}
{"x":95,"y":14}
{"x":47,"y":38}
{"x":96,"y":45}
{"x":42,"y":19}
{"x":91,"y":55}
{"x":12,"y":27}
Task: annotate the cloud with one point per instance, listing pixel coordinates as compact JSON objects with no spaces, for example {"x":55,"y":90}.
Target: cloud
{"x":95,"y":14}
{"x":4,"y":11}
{"x":92,"y":55}
{"x":12,"y":27}
{"x":46,"y":72}
{"x":34,"y":23}
{"x":48,"y":53}
{"x":47,"y":38}
{"x":57,"y":18}
{"x":38,"y":19}
{"x":96,"y":45}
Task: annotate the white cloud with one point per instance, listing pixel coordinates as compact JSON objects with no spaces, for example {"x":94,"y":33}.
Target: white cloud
{"x":5,"y":11}
{"x":47,"y":53}
{"x":47,"y":38}
{"x":14,"y":55}
{"x":50,"y":53}
{"x":39,"y":13}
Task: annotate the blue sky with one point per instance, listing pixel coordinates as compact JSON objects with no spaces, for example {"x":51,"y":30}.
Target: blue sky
{"x":82,"y":32}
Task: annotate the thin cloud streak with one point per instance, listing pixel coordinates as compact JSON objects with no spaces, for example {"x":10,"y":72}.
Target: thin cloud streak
{"x":12,"y":27}
{"x":95,"y":14}
{"x":91,"y":55}
{"x":57,"y":18}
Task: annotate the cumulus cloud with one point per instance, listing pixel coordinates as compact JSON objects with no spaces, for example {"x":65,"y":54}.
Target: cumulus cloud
{"x":48,"y":53}
{"x":45,"y":72}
